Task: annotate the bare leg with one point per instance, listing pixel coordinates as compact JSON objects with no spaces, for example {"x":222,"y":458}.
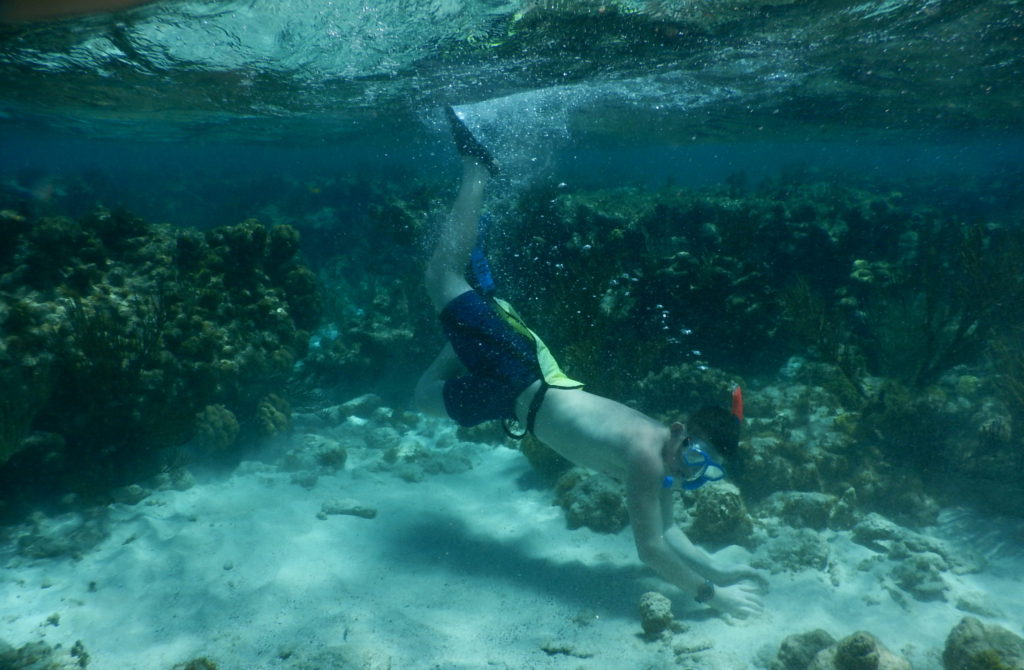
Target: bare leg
{"x":430,"y":389}
{"x":444,"y":276}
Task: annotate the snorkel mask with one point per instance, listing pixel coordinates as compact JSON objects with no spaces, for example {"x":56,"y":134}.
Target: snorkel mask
{"x":694,"y":467}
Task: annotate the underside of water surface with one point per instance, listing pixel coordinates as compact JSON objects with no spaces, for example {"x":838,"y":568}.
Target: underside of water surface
{"x":663,"y":71}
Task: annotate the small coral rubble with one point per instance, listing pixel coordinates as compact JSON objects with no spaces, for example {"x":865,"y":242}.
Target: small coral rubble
{"x":860,"y":651}
{"x":817,"y":650}
{"x":655,"y":612}
{"x":41,"y":656}
{"x":797,"y":651}
{"x":720,"y":516}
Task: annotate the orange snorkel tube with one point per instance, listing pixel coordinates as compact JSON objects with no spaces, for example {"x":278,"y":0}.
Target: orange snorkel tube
{"x":737,"y":403}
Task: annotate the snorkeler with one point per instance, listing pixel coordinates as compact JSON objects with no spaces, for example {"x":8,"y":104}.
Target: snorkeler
{"x":494,"y":367}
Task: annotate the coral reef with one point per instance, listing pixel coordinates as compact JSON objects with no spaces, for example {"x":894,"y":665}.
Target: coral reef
{"x":800,"y":509}
{"x":364,"y":238}
{"x":663,"y":392}
{"x":637,"y":266}
{"x":272,"y":415}
{"x":878,"y":306}
{"x":793,"y":550}
{"x":379,"y":438}
{"x":860,"y":316}
{"x":973,"y":645}
{"x":799,"y":436}
{"x":895,"y":304}
{"x":412,"y":460}
{"x":880,"y":534}
{"x":123,"y":337}
{"x":216,"y":428}
{"x":592,"y":500}
{"x":316,"y":452}
{"x":921,"y":576}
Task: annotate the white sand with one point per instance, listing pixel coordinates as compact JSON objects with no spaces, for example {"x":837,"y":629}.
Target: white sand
{"x":469,"y":570}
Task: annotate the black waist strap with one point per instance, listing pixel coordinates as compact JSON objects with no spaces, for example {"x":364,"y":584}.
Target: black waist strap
{"x":531,"y":414}
{"x":538,"y":400}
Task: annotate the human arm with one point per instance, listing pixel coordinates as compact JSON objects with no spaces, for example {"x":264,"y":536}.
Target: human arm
{"x":667,"y":551}
{"x":703,"y":563}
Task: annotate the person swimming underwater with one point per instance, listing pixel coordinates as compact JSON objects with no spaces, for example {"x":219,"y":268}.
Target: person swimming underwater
{"x":495,"y":368}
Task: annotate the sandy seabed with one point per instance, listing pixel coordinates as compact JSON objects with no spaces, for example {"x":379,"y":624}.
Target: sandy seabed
{"x":473,"y":569}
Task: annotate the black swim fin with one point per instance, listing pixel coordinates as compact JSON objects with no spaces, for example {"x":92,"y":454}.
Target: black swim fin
{"x":467,"y":145}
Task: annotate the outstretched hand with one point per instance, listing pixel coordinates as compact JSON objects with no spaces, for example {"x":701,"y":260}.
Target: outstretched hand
{"x":738,"y":600}
{"x":741,"y":573}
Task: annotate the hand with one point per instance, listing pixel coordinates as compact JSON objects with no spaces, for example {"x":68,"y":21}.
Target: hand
{"x":740,"y":573}
{"x":739,"y":600}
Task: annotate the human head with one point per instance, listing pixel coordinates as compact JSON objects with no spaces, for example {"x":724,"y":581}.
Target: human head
{"x":715,"y":431}
{"x":717,"y":426}
{"x":691,"y":462}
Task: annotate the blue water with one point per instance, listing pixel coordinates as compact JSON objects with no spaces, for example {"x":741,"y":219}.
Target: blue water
{"x":326,"y":116}
{"x":135,"y":171}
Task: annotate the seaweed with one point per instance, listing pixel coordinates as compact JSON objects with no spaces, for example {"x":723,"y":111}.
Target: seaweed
{"x":815,"y":323}
{"x":113,"y":347}
{"x":917,"y":317}
{"x":941,"y":311}
{"x":901,"y":324}
{"x":26,"y":392}
{"x":1007,"y":357}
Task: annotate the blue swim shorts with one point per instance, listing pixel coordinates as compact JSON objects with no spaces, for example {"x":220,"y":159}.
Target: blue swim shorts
{"x":501,"y":361}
